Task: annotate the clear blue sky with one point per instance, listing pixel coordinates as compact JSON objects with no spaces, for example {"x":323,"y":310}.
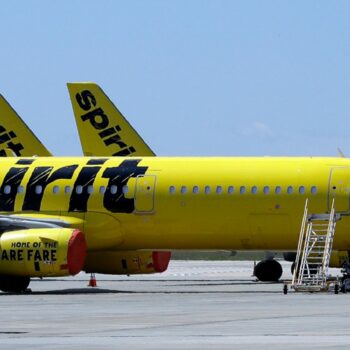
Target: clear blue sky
{"x":193,"y":77}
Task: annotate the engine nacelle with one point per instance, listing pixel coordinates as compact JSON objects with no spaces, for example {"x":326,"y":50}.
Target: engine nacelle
{"x":127,"y":262}
{"x":42,"y":252}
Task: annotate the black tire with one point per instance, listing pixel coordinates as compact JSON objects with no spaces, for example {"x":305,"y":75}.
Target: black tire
{"x":268,"y":271}
{"x":14,"y":284}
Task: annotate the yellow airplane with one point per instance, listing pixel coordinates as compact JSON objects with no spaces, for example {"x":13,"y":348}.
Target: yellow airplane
{"x":62,"y":215}
{"x":27,"y":144}
{"x":46,"y":241}
{"x":104,"y":140}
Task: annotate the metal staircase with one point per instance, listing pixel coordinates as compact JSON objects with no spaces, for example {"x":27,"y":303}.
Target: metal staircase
{"x":314,"y":251}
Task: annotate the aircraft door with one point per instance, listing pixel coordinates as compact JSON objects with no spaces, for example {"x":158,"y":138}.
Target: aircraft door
{"x":144,"y":194}
{"x":339,"y":189}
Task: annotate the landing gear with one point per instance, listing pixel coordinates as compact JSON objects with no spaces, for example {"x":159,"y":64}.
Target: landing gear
{"x":268,"y":271}
{"x":14,"y":284}
{"x":345,"y":280}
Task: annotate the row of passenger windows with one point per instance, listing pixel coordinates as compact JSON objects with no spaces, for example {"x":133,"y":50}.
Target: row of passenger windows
{"x":244,"y":189}
{"x":172,"y":189}
{"x":67,"y":189}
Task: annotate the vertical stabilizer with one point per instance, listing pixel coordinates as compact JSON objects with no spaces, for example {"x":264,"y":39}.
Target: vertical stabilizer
{"x":15,"y":136}
{"x":103,"y":130}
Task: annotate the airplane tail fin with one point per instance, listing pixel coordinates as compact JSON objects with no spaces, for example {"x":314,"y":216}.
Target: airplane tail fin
{"x":15,"y":136}
{"x":103,"y":130}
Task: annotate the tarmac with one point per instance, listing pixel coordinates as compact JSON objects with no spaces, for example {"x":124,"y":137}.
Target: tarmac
{"x":194,"y":305}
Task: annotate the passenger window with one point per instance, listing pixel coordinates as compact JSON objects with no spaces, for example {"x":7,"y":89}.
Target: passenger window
{"x":218,"y":189}
{"x":172,"y":189}
{"x":183,"y":189}
{"x":114,"y":189}
{"x":207,"y":189}
{"x":254,"y":190}
{"x":67,"y":189}
{"x":55,"y":189}
{"x":230,"y":189}
{"x":278,"y":189}
{"x":266,"y":190}
{"x":7,"y":189}
{"x":125,"y":189}
{"x":38,"y":189}
{"x":102,"y":189}
{"x":313,"y":190}
{"x":90,"y":189}
{"x":79,"y":189}
{"x":290,"y":189}
{"x":195,"y":189}
{"x":20,"y":189}
{"x":301,"y":190}
{"x":242,"y":190}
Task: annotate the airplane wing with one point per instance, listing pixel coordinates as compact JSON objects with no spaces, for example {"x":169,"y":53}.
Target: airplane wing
{"x":33,"y":221}
{"x":16,"y":139}
{"x":103,"y":130}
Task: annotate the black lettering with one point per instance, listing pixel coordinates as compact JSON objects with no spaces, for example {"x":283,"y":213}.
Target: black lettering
{"x":4,"y":138}
{"x":12,"y":254}
{"x":53,"y":255}
{"x":41,"y":177}
{"x":124,"y":152}
{"x":46,"y":255}
{"x":107,"y":132}
{"x":119,"y":176}
{"x":16,"y":148}
{"x":85,"y":99}
{"x":115,"y":139}
{"x":26,"y":161}
{"x":97,"y":161}
{"x":29,"y":254}
{"x":86,"y":177}
{"x":37,"y":256}
{"x":12,"y":180}
{"x":4,"y":255}
{"x":97,"y":118}
{"x":20,"y":255}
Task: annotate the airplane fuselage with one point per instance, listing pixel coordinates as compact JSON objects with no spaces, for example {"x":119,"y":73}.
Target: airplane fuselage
{"x":179,"y":202}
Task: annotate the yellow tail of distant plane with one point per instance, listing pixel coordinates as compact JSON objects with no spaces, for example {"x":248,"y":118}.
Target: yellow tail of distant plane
{"x":16,"y":139}
{"x":103,"y":130}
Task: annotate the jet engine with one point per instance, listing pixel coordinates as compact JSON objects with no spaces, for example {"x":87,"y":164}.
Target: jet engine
{"x":42,"y":252}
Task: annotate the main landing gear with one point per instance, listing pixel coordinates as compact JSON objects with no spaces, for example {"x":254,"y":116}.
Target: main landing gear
{"x":268,"y":270}
{"x":14,"y":284}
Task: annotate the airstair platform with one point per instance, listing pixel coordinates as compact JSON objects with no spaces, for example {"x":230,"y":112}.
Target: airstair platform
{"x":314,"y":251}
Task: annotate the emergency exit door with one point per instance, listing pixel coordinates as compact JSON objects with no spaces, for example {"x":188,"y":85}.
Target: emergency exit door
{"x":144,"y":195}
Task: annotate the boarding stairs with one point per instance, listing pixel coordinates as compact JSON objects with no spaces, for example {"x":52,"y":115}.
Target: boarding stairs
{"x":314,"y":251}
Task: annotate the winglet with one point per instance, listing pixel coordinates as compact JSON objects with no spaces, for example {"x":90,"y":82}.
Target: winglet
{"x":15,"y":135}
{"x":103,"y":130}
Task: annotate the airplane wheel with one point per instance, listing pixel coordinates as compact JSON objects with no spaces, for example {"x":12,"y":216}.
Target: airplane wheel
{"x":268,"y":271}
{"x":14,"y":284}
